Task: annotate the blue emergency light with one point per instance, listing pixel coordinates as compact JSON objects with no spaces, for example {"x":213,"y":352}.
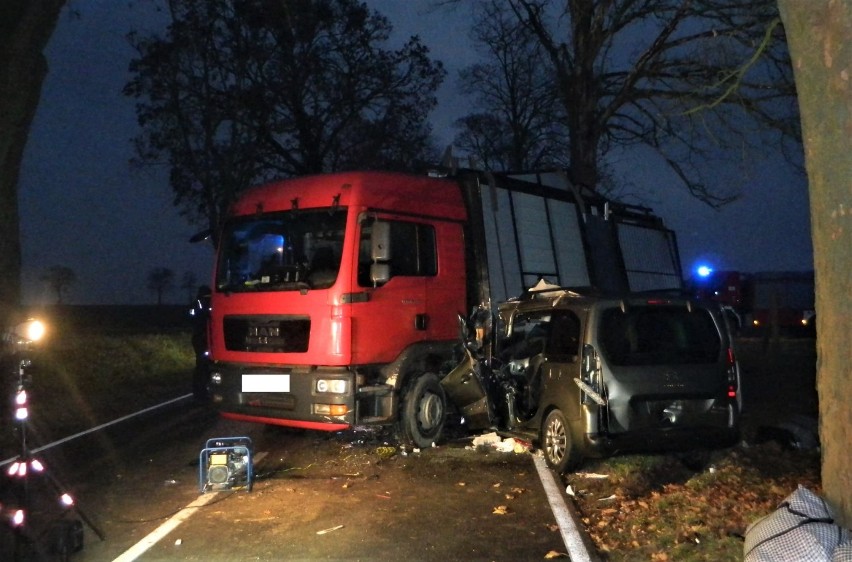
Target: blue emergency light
{"x":704,"y":270}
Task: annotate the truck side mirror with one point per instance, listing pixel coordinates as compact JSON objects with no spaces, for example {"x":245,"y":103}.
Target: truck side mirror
{"x":380,"y":252}
{"x":379,"y":273}
{"x":381,"y":241}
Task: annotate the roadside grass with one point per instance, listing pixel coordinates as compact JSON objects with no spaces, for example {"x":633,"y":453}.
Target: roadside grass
{"x":666,"y":508}
{"x":90,"y":379}
{"x":652,"y":507}
{"x":83,"y":378}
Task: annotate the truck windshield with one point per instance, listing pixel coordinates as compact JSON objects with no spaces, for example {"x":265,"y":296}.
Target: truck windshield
{"x":286,"y":251}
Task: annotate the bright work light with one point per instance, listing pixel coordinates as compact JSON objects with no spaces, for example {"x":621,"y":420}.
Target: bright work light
{"x":25,"y":333}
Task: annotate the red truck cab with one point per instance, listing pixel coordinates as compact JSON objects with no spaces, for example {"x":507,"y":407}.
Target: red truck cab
{"x":331,"y":296}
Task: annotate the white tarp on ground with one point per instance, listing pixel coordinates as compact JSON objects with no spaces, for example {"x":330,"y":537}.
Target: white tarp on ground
{"x":801,"y":529}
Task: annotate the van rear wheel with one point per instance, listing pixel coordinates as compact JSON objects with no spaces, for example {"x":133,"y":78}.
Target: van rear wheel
{"x":423,"y":412}
{"x":559,"y":451}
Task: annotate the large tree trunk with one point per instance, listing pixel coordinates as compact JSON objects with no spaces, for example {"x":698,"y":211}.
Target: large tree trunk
{"x":25,"y":27}
{"x":820,"y":38}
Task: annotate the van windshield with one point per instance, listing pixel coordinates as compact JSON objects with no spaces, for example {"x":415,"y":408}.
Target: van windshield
{"x":287,"y":251}
{"x":659,"y":335}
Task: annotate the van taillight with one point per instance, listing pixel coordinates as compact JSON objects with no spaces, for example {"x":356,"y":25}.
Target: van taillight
{"x":732,"y":374}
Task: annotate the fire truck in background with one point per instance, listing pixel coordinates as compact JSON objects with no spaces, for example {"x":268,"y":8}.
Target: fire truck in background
{"x":335,"y":297}
{"x":763,"y":301}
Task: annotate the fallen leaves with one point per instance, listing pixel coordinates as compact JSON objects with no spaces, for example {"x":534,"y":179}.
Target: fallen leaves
{"x":655,"y":510}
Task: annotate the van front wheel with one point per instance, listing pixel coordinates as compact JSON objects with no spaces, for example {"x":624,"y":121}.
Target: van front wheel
{"x":423,"y":412}
{"x":559,"y":451}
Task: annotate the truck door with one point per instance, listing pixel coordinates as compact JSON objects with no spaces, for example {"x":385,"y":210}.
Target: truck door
{"x":393,"y":273}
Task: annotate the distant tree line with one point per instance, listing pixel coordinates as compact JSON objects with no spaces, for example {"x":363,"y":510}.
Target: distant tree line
{"x":60,"y":279}
{"x":160,"y":281}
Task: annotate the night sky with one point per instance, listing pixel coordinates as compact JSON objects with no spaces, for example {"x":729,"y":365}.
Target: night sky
{"x":85,"y":207}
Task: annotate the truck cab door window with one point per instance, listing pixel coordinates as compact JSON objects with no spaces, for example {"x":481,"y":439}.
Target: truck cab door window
{"x":390,"y":248}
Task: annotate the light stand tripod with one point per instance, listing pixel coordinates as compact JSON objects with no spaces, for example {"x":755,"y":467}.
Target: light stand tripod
{"x":66,"y":534}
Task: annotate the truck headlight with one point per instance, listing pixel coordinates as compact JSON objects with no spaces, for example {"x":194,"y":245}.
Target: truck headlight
{"x":333,"y":386}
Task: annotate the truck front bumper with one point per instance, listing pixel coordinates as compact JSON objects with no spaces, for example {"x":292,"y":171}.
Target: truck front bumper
{"x":307,"y":397}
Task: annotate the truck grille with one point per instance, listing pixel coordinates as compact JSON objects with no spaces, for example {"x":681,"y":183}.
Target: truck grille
{"x":267,"y":334}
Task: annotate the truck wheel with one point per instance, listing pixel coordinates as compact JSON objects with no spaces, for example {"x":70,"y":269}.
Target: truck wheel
{"x":424,"y":410}
{"x":556,"y":443}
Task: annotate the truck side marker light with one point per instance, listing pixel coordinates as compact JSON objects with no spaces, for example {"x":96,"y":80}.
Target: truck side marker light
{"x":331,"y":409}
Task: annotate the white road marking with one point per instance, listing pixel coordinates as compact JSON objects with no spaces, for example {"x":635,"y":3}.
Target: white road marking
{"x":571,"y":536}
{"x":154,"y":537}
{"x":98,"y":428}
{"x":157,"y":534}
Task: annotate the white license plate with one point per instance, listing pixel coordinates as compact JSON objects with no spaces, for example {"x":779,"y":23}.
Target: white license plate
{"x":266,"y":383}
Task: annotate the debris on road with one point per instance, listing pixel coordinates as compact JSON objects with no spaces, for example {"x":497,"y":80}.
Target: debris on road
{"x":591,"y":475}
{"x":330,"y":529}
{"x":494,"y":441}
{"x":486,"y":439}
{"x":385,"y":452}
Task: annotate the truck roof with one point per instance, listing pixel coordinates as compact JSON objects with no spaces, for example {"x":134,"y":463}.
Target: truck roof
{"x":404,"y":193}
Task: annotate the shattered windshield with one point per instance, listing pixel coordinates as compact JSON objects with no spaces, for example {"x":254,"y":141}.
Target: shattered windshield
{"x":286,"y":251}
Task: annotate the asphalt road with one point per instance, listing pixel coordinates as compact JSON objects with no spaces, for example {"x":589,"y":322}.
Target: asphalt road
{"x":346,"y":496}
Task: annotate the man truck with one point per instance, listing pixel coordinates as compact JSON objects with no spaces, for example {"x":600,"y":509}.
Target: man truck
{"x":335,"y":297}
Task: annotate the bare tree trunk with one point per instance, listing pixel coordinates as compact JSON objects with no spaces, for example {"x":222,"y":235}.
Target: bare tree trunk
{"x":820,"y":38}
{"x":25,"y":27}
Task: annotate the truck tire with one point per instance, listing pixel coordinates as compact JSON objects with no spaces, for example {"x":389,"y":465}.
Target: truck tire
{"x":559,"y":450}
{"x":423,"y":412}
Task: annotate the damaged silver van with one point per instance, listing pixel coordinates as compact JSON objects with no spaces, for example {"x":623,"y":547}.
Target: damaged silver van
{"x":591,"y":376}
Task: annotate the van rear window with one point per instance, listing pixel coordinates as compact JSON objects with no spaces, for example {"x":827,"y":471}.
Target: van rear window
{"x":653,"y":335}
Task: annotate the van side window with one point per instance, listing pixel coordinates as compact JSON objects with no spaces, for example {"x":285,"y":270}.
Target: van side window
{"x":564,"y":338}
{"x":529,"y":334}
{"x":555,"y":333}
{"x":413,"y":250}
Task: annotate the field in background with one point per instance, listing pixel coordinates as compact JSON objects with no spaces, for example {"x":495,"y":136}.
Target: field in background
{"x":113,"y":319}
{"x":99,"y":363}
